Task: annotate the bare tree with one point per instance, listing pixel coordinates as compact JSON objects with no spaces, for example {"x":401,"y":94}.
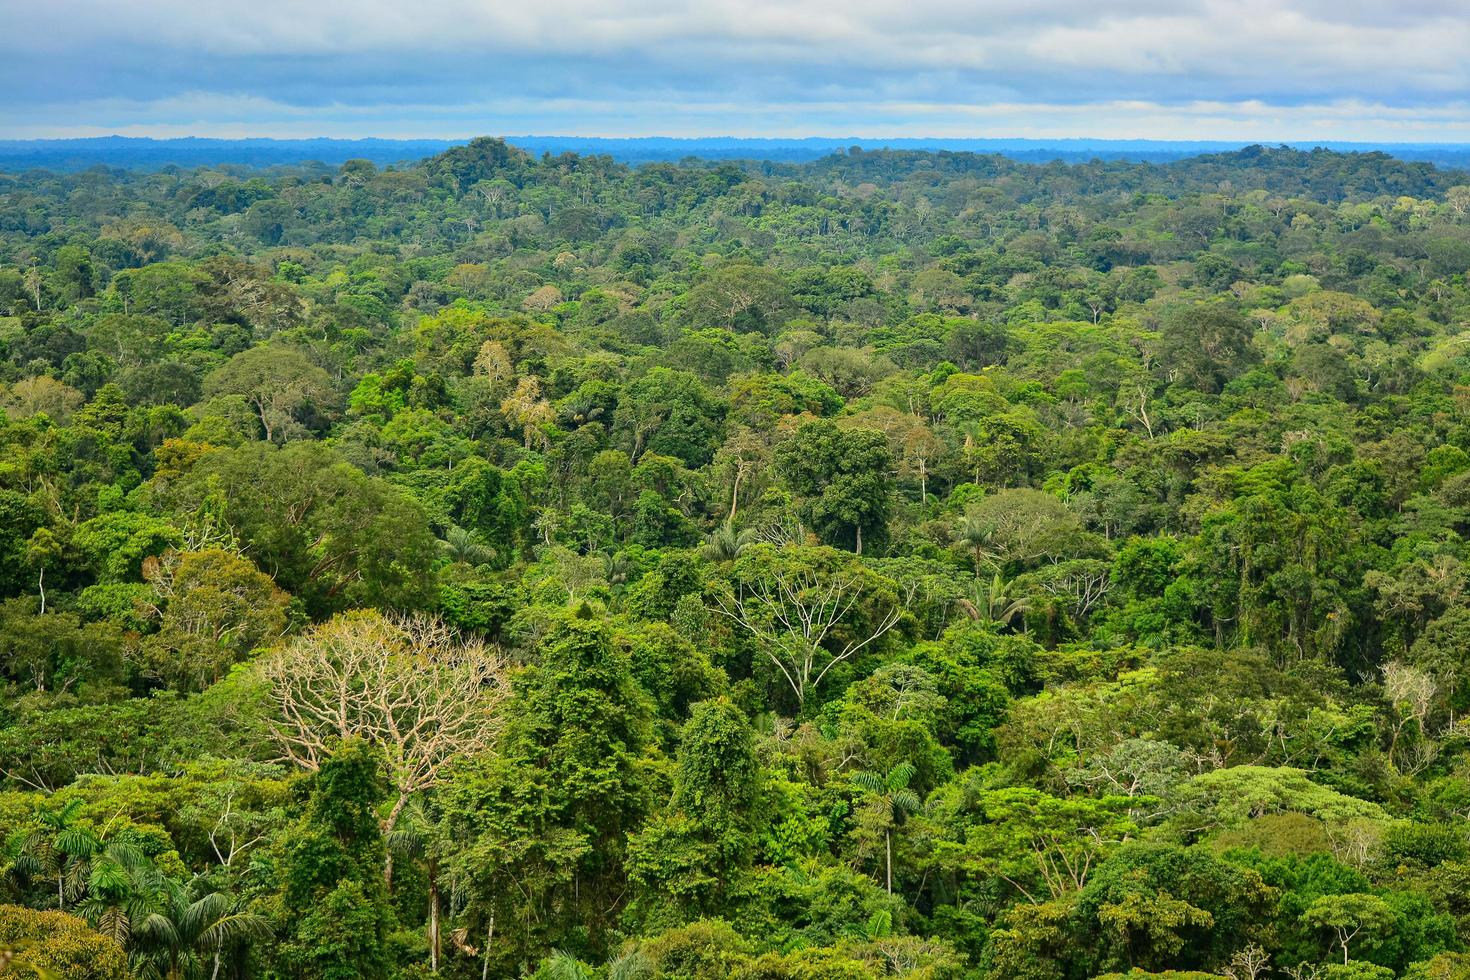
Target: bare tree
{"x":1081,"y":584}
{"x":801,"y":606}
{"x":1136,"y":405}
{"x":410,"y":684}
{"x":1248,"y":963}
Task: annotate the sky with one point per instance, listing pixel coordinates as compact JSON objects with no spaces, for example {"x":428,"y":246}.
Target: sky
{"x":1269,"y":70}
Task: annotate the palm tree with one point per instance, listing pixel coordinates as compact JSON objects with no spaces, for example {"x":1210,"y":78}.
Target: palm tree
{"x":460,"y":545}
{"x":617,"y":568}
{"x":977,"y":538}
{"x":561,"y":965}
{"x":892,"y":800}
{"x":997,"y":604}
{"x":632,"y":965}
{"x":190,"y":930}
{"x":38,"y":856}
{"x":726,"y":544}
{"x":117,"y":885}
{"x":411,"y":837}
{"x":101,"y":878}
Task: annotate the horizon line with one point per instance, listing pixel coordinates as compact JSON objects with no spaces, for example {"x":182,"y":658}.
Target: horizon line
{"x":855,"y":139}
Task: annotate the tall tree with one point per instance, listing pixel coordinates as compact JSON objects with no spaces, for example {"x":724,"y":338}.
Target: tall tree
{"x":809,"y":609}
{"x":891,"y":801}
{"x":543,"y":826}
{"x":842,"y":477}
{"x":410,"y":685}
{"x":281,"y":384}
{"x":332,"y":903}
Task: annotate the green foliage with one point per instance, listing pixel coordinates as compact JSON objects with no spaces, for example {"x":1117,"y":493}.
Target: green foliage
{"x":332,"y":907}
{"x":842,"y":476}
{"x":1351,"y":919}
{"x":60,"y":943}
{"x":899,"y":564}
{"x":1159,"y":906}
{"x":321,"y":528}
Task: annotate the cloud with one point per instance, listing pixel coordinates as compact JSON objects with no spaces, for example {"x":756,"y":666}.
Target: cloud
{"x":1276,"y":68}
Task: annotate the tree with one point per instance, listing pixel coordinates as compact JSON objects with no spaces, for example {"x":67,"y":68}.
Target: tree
{"x":842,"y":477}
{"x":918,"y":449}
{"x":998,"y":602}
{"x":459,"y":545}
{"x":57,"y":651}
{"x":1206,"y":345}
{"x":1077,"y":587}
{"x":193,"y":928}
{"x":213,"y":608}
{"x":114,"y":544}
{"x":316,"y":524}
{"x":1279,"y":561}
{"x":1351,"y":916}
{"x":55,"y":946}
{"x":332,"y":901}
{"x":1003,"y":448}
{"x":718,"y":777}
{"x":108,"y":880}
{"x":541,"y":828}
{"x":740,"y":461}
{"x":975,"y":536}
{"x":670,"y":413}
{"x":526,"y":408}
{"x":684,"y":859}
{"x":1413,"y":694}
{"x":410,"y":685}
{"x":890,"y":800}
{"x":725,"y":543}
{"x":809,"y":609}
{"x":41,"y":395}
{"x":1133,"y":767}
{"x":1152,"y":926}
{"x":1230,"y":796}
{"x":413,"y":837}
{"x":27,"y":546}
{"x":1022,"y":528}
{"x":1159,"y":906}
{"x":588,"y":722}
{"x":39,"y":853}
{"x":283,"y":386}
{"x":1029,"y":836}
{"x":851,"y":373}
{"x":741,"y":297}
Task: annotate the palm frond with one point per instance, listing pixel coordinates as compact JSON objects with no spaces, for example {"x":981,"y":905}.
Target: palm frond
{"x":77,"y":842}
{"x":195,"y":918}
{"x":157,"y":928}
{"x":26,"y":864}
{"x":231,"y":929}
{"x":130,"y":856}
{"x":107,"y":876}
{"x":406,"y":841}
{"x":634,"y":965}
{"x":906,"y":801}
{"x":562,"y":965}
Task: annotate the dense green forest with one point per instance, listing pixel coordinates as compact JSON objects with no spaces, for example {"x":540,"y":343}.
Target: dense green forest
{"x":903,"y":564}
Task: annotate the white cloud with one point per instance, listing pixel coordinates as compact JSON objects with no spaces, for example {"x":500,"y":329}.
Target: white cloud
{"x":1301,"y":68}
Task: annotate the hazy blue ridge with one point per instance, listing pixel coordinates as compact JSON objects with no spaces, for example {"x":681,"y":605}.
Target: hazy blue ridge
{"x":132,"y":153}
